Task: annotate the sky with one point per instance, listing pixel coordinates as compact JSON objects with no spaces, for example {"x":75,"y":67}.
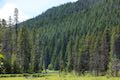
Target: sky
{"x":27,"y":8}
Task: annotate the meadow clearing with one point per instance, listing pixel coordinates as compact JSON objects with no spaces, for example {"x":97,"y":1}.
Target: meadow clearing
{"x":61,"y":77}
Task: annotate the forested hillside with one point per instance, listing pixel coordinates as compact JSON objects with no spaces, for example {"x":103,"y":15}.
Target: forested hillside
{"x":83,"y":36}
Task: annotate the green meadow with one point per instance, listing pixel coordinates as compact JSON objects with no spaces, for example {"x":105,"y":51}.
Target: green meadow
{"x":61,"y":77}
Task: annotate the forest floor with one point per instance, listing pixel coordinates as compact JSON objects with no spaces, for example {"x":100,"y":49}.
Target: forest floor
{"x":61,"y":77}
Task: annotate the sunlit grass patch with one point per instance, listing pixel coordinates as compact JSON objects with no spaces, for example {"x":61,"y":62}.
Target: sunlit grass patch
{"x":63,"y":76}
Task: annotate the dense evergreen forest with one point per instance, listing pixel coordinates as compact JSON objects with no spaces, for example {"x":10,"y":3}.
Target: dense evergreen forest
{"x":82,"y":36}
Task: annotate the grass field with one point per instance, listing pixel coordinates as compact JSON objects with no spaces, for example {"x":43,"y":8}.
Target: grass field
{"x":61,"y":77}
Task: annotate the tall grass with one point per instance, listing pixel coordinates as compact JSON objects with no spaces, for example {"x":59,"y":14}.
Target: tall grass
{"x":63,"y":76}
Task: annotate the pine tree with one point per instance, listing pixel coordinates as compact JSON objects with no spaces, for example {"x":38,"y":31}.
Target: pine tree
{"x":24,"y":54}
{"x":69,"y":55}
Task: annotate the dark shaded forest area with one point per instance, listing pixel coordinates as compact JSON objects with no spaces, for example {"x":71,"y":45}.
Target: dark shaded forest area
{"x":83,"y":36}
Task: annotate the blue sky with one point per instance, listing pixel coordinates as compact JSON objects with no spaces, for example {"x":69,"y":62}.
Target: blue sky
{"x":1,"y":3}
{"x":27,"y":8}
